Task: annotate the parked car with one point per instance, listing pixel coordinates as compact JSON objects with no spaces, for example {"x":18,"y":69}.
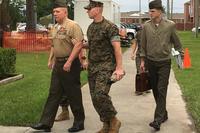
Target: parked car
{"x":127,"y":33}
{"x":130,"y":30}
{"x":194,"y":29}
{"x":39,"y":28}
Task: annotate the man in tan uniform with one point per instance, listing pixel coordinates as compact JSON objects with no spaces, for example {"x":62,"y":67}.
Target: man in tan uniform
{"x":67,"y":39}
{"x":157,"y":37}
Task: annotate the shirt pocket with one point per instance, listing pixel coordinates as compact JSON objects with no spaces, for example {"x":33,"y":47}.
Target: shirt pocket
{"x":62,"y":35}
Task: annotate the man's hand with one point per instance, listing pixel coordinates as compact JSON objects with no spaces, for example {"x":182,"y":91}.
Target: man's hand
{"x":50,"y":64}
{"x":84,"y":64}
{"x":85,"y":44}
{"x":67,"y":66}
{"x":142,"y":66}
{"x":133,"y":57}
{"x":119,"y":74}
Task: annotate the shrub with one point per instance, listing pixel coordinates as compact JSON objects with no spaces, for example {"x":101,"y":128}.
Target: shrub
{"x":7,"y":61}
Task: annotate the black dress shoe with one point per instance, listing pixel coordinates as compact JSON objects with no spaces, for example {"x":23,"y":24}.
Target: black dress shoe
{"x":76,"y":127}
{"x":41,"y":126}
{"x":155,"y":125}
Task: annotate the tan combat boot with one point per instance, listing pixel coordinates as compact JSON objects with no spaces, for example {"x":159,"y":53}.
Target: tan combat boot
{"x":64,"y":115}
{"x":105,"y":128}
{"x":115,"y":124}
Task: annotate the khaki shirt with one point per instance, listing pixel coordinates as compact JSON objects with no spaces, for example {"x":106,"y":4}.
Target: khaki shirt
{"x":156,"y":41}
{"x":62,"y":35}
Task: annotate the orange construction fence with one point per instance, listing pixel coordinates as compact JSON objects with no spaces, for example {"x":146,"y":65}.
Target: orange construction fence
{"x":26,"y":41}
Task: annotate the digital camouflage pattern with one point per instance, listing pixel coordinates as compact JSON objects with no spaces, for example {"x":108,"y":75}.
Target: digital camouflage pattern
{"x":99,"y":88}
{"x":101,"y":50}
{"x":102,"y":63}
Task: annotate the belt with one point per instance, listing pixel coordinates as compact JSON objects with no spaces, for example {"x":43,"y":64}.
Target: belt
{"x":61,"y":58}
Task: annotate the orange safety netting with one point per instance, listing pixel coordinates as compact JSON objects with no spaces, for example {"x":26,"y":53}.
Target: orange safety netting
{"x":26,"y":41}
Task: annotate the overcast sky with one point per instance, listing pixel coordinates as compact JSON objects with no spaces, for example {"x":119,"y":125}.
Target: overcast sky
{"x":133,"y":5}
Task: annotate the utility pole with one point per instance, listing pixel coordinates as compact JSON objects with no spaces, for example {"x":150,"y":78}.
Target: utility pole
{"x":1,"y":27}
{"x":172,"y":8}
{"x":168,"y":9}
{"x":196,"y":17}
{"x":140,"y":19}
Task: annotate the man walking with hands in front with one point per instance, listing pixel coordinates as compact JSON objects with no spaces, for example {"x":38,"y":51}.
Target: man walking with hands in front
{"x":105,"y":59}
{"x":157,"y":37}
{"x":67,"y":39}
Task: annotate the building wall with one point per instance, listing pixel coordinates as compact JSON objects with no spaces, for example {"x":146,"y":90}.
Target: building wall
{"x":184,"y":26}
{"x":190,"y":11}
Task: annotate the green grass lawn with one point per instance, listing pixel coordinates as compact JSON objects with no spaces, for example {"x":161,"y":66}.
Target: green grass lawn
{"x":22,"y":101}
{"x":189,"y":78}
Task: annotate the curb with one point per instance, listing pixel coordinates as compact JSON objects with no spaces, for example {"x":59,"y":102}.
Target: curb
{"x":11,"y":79}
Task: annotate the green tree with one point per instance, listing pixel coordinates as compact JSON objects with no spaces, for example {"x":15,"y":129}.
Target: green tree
{"x":5,"y":15}
{"x":44,"y":7}
{"x":70,"y":5}
{"x":30,"y":15}
{"x":9,"y":14}
{"x":16,"y":9}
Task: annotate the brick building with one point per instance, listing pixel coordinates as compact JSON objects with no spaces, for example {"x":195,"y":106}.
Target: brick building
{"x":189,"y":13}
{"x":135,"y":16}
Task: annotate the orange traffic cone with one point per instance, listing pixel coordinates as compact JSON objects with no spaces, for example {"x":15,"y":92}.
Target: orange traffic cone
{"x":186,"y":61}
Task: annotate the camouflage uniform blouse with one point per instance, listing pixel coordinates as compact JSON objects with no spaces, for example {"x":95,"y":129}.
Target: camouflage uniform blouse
{"x":101,"y":52}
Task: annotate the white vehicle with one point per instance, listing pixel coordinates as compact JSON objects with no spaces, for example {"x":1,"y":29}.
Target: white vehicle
{"x":194,"y":29}
{"x":131,"y":33}
{"x":22,"y":28}
{"x":130,"y":30}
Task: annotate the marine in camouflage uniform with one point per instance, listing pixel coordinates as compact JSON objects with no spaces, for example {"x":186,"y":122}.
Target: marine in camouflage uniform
{"x":101,"y":66}
{"x":102,"y":36}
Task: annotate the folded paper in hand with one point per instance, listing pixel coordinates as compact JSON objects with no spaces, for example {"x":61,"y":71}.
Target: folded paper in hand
{"x":178,"y":58}
{"x":113,"y":78}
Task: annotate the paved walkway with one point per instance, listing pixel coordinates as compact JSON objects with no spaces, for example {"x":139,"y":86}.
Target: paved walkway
{"x":135,"y":112}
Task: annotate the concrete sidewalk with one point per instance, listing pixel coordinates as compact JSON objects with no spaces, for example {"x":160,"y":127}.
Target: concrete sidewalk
{"x":135,"y":112}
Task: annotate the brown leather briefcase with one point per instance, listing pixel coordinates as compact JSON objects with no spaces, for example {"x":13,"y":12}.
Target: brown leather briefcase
{"x":142,"y":82}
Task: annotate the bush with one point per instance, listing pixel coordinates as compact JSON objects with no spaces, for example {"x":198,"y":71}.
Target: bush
{"x":7,"y":61}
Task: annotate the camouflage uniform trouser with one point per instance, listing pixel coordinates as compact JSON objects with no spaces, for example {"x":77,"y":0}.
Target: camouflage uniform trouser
{"x":99,"y":84}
